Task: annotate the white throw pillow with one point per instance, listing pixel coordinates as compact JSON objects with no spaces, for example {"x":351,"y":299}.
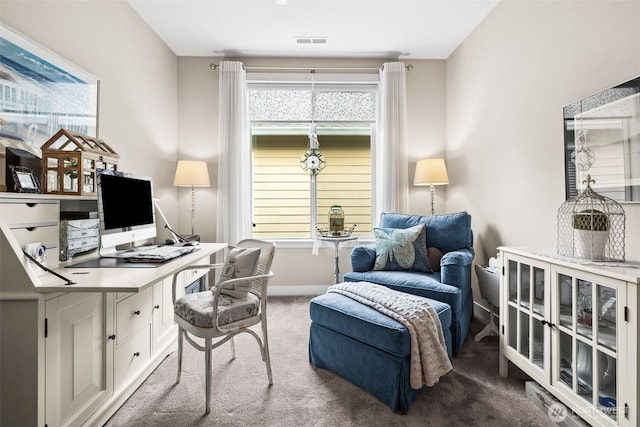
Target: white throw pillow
{"x":239,"y":262}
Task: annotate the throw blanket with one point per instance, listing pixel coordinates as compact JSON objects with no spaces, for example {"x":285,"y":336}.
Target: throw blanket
{"x":429,"y":359}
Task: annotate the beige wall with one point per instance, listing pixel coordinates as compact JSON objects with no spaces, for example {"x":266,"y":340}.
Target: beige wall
{"x":506,"y":86}
{"x":138,"y":77}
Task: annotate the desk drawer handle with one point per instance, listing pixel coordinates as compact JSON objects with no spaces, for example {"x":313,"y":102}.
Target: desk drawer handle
{"x":112,"y":337}
{"x":157,"y":306}
{"x":137,"y":312}
{"x":136,"y":354}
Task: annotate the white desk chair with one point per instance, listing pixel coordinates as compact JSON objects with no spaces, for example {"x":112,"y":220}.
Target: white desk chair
{"x":215,"y":314}
{"x":489,"y":284}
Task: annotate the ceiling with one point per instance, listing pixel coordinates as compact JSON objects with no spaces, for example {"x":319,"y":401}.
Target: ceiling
{"x":421,"y":29}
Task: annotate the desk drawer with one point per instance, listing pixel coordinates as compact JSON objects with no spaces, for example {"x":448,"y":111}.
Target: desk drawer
{"x":47,"y":235}
{"x":27,"y":214}
{"x":132,"y":315}
{"x":132,"y":357}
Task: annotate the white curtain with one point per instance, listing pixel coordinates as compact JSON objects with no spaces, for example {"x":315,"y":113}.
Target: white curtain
{"x":390,"y":152}
{"x":234,"y":159}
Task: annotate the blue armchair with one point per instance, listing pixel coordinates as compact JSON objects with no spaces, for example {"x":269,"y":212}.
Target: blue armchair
{"x":451,"y":235}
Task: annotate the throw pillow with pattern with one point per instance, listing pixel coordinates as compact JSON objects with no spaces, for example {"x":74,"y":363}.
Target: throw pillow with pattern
{"x":239,"y":262}
{"x":402,"y":249}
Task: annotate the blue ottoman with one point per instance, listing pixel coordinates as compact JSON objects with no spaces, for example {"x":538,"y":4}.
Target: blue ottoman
{"x":366,"y":347}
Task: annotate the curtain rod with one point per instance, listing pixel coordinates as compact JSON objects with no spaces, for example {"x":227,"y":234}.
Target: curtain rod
{"x":214,"y":67}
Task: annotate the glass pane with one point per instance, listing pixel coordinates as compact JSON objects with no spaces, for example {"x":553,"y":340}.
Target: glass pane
{"x":566,"y":305}
{"x":287,"y":102}
{"x":584,"y":369}
{"x":524,"y":334}
{"x":284,"y":192}
{"x":584,"y":307}
{"x":566,"y":351}
{"x":513,"y":281}
{"x":538,"y":343}
{"x":88,"y":182}
{"x":538,"y":290}
{"x":52,"y":181}
{"x":101,"y":165}
{"x":87,"y":164}
{"x":607,"y":316}
{"x":525,"y":285}
{"x":52,"y":162}
{"x":70,"y":181}
{"x":607,"y":388}
{"x":70,"y":162}
{"x":513,"y":327}
{"x":346,"y":180}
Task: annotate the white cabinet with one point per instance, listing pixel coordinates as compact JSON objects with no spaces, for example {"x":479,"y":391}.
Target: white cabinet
{"x":78,"y":356}
{"x":573,"y":328}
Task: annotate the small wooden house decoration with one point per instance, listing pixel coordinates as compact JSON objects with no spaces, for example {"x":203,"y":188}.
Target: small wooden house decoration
{"x":70,"y":161}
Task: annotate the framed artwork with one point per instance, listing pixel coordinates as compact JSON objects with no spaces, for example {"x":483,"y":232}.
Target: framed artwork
{"x":25,"y":180}
{"x":40,"y":93}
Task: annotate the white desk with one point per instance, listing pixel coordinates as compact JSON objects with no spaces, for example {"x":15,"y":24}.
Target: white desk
{"x":73,"y":354}
{"x":130,"y":279}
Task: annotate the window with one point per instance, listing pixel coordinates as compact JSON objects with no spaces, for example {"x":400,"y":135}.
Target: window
{"x":287,"y":201}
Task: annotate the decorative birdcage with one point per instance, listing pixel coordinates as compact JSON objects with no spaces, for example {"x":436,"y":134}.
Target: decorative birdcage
{"x":70,"y":163}
{"x":591,"y":227}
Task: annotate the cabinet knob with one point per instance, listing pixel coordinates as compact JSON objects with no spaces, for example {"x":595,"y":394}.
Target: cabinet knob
{"x":112,"y":337}
{"x":137,"y":312}
{"x":136,"y":354}
{"x":157,"y":306}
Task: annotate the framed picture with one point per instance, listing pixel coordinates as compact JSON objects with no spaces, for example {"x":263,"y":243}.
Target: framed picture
{"x":40,"y":93}
{"x":24,"y":180}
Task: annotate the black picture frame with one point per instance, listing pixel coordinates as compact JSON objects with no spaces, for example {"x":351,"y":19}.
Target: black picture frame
{"x":25,"y":180}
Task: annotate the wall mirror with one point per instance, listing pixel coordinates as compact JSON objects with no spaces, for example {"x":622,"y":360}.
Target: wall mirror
{"x":602,"y":139}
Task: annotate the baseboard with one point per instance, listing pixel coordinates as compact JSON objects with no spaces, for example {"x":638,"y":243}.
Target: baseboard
{"x":295,"y":291}
{"x":483,"y":313}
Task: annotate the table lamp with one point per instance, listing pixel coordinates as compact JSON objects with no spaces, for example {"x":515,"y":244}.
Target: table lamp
{"x":192,"y":173}
{"x":431,"y":172}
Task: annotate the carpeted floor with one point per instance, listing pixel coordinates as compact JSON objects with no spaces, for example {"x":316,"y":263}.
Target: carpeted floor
{"x":473,"y":394}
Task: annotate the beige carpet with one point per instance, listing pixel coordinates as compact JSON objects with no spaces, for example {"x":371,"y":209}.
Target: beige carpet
{"x":473,"y":394}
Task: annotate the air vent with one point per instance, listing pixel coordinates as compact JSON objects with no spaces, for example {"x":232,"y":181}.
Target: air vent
{"x":312,"y":40}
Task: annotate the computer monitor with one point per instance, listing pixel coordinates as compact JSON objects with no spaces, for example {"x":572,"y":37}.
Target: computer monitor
{"x":125,"y":209}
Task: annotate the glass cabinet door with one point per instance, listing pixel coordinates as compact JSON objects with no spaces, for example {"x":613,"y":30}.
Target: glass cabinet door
{"x":527,"y":285}
{"x":587,"y":338}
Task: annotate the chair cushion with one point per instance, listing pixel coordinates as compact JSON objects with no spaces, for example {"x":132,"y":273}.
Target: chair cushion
{"x":197,"y":308}
{"x":239,"y":262}
{"x":365,"y":324}
{"x":402,"y":249}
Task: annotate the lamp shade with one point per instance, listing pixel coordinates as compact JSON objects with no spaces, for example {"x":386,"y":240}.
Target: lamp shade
{"x":191,"y":173}
{"x":431,"y":172}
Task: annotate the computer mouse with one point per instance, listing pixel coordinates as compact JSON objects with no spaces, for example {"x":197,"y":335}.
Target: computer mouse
{"x":169,"y":242}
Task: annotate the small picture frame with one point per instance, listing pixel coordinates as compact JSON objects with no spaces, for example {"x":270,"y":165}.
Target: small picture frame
{"x":24,"y":180}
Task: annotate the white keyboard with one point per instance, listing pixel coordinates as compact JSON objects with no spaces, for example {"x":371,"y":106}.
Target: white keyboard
{"x":157,"y":253}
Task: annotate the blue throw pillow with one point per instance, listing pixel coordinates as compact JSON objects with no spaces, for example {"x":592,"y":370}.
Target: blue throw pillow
{"x":402,"y":249}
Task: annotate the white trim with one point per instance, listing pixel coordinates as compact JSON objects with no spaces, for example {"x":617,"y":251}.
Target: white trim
{"x":482,"y":313}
